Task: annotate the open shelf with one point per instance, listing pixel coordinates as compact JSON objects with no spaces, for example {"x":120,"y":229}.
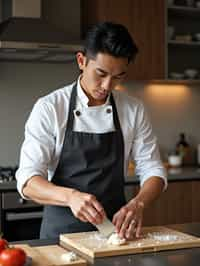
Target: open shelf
{"x":191,"y":43}
{"x":184,"y":9}
{"x":182,"y":43}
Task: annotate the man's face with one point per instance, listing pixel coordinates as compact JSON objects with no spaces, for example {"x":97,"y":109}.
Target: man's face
{"x":100,"y":75}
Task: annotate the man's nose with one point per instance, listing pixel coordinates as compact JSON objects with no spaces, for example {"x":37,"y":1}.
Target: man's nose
{"x":107,"y":84}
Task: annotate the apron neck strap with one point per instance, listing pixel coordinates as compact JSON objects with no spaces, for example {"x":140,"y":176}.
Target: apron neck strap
{"x":115,"y":114}
{"x":72,"y":106}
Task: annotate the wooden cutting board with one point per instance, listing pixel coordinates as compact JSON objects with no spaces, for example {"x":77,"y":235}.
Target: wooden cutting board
{"x":49,"y":256}
{"x":37,"y":258}
{"x":91,"y":245}
{"x":53,"y":253}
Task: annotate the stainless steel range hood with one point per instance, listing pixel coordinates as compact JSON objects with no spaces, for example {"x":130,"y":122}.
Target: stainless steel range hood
{"x":25,"y":36}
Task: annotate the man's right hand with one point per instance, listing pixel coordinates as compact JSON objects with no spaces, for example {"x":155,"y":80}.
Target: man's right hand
{"x":86,"y":207}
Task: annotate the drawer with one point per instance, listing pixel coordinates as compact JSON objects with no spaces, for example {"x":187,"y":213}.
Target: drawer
{"x":13,"y":200}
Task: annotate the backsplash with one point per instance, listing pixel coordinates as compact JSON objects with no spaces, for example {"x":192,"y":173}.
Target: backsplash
{"x":171,"y":109}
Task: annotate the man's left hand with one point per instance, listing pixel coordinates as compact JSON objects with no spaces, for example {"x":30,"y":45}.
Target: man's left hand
{"x":128,"y":220}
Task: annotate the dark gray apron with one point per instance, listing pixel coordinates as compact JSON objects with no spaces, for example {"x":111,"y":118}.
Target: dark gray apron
{"x":92,"y":163}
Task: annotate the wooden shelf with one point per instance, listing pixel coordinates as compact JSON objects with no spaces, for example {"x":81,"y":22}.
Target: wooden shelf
{"x":184,"y":9}
{"x":176,"y":81}
{"x":191,"y":43}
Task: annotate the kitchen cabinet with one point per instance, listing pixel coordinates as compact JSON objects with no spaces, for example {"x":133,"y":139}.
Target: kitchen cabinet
{"x":64,"y":15}
{"x":145,"y":21}
{"x":178,"y":204}
{"x":183,"y":45}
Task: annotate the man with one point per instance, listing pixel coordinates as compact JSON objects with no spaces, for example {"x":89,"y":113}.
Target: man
{"x":78,"y":141}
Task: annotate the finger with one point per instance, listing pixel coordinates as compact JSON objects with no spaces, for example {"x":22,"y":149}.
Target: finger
{"x":95,"y":217}
{"x":125,"y":225}
{"x":86,"y":214}
{"x":131,"y":230}
{"x":115,"y":217}
{"x":99,"y":208}
{"x":139,"y":228}
{"x":120,"y":219}
{"x":82,"y":218}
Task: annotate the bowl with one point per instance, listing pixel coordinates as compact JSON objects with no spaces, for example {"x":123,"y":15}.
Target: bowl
{"x":191,"y":73}
{"x":197,"y":36}
{"x":175,"y":160}
{"x":197,"y":4}
{"x":176,"y":75}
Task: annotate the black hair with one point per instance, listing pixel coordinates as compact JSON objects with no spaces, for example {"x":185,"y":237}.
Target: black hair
{"x":111,"y":38}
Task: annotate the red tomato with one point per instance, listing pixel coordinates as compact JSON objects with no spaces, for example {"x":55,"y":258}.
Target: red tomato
{"x":3,"y":244}
{"x":12,"y":257}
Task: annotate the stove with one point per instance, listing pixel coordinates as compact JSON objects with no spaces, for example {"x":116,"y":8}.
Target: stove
{"x":7,"y":177}
{"x":7,"y":174}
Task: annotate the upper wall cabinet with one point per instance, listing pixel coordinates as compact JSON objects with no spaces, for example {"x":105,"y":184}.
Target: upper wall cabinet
{"x":145,"y":21}
{"x":183,"y":39}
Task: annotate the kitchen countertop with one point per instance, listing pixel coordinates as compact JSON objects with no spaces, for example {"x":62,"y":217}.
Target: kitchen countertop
{"x":179,"y":174}
{"x":181,"y":257}
{"x":183,"y":174}
{"x":8,"y":186}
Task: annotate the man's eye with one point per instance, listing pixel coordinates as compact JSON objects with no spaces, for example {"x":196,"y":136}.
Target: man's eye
{"x":118,"y":77}
{"x":100,"y":74}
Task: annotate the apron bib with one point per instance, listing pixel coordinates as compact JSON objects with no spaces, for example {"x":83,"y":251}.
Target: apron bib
{"x":91,"y":163}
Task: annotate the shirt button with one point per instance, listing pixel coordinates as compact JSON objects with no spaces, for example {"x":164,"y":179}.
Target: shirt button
{"x":78,"y":113}
{"x":108,"y":111}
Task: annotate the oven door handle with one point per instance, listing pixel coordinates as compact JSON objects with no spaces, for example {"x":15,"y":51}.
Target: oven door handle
{"x":15,"y":216}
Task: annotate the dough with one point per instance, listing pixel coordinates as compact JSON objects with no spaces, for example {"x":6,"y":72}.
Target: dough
{"x":68,"y":257}
{"x":115,"y":240}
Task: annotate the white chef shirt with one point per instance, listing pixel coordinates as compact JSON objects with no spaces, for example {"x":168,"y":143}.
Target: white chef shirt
{"x":46,"y":125}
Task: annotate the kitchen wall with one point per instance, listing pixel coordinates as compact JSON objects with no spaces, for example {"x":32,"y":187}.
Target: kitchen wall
{"x":172,"y":109}
{"x":20,"y":86}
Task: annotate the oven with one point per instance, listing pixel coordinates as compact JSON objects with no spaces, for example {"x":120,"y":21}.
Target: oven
{"x":19,"y":219}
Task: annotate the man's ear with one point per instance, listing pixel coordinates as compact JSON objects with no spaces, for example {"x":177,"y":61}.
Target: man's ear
{"x":81,"y":60}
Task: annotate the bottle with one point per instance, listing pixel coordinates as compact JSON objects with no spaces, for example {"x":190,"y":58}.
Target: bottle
{"x":183,"y":149}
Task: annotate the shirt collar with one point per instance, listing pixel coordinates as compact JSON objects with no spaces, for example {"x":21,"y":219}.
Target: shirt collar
{"x":83,"y":97}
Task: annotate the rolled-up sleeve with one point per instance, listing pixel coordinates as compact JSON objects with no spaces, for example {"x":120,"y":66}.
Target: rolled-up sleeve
{"x":145,"y":152}
{"x":38,"y":146}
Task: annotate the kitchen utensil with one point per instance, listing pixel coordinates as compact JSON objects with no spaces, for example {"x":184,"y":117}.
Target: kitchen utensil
{"x":106,"y":228}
